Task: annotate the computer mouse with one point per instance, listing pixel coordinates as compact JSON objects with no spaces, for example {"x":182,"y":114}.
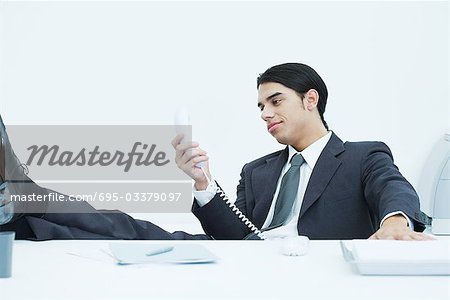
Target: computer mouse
{"x":295,"y":245}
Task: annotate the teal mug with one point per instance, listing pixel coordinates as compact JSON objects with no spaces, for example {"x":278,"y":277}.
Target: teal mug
{"x":6,"y":249}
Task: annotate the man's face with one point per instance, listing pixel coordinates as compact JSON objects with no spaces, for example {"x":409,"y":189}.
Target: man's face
{"x":284,"y":112}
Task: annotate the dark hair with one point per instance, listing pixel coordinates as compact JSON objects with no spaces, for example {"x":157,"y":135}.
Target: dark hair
{"x":300,"y":78}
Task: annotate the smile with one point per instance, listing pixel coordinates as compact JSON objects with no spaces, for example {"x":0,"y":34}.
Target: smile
{"x":273,"y":126}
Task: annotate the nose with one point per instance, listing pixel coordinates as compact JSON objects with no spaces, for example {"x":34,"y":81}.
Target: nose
{"x":267,"y":113}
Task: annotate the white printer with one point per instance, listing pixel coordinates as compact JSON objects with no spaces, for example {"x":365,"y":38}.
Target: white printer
{"x":434,"y":187}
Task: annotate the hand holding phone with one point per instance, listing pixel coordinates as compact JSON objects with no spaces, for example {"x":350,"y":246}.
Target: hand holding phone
{"x":194,"y":162}
{"x":190,"y":158}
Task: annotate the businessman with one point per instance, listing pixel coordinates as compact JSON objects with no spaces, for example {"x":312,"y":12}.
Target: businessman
{"x":316,"y":186}
{"x":57,"y":220}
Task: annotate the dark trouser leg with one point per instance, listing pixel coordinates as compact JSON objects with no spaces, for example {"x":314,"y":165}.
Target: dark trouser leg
{"x":89,"y":223}
{"x":65,"y":220}
{"x":79,"y":220}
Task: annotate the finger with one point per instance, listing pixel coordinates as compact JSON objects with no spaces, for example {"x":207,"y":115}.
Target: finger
{"x":374,"y":236}
{"x":418,"y":237}
{"x":384,"y":235}
{"x":182,"y":148}
{"x":192,"y":164}
{"x":190,"y":154}
{"x":422,"y":237}
{"x":401,"y":235}
{"x":407,"y":237}
{"x":177,"y":140}
{"x":429,"y":237}
{"x":200,"y":158}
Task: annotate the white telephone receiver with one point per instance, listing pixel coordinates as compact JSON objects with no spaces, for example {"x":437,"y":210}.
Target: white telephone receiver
{"x":182,"y":120}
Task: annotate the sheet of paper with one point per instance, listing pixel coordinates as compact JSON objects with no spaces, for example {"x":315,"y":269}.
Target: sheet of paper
{"x":132,"y":253}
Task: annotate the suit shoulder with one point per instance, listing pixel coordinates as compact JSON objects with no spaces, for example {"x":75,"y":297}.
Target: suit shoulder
{"x":367,"y":147}
{"x":263,"y":159}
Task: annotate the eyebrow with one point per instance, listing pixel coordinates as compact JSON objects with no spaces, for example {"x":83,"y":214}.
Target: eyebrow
{"x":270,"y":97}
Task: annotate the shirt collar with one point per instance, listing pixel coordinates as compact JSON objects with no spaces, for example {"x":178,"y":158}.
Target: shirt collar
{"x":312,"y":152}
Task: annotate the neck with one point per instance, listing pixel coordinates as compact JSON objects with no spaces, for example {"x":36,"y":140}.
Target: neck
{"x":313,"y":135}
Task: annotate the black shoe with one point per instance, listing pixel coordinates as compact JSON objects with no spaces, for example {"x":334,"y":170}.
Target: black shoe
{"x":14,"y":181}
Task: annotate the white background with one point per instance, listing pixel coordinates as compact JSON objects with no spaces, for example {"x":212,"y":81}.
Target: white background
{"x":386,"y":65}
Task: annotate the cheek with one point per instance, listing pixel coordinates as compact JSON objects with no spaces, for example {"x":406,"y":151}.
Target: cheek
{"x":292,"y":116}
{"x":297,"y":121}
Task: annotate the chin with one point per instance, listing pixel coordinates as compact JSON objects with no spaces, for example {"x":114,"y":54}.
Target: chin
{"x":282,"y":140}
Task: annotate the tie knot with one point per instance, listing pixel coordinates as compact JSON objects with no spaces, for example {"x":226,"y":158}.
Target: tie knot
{"x":297,"y":160}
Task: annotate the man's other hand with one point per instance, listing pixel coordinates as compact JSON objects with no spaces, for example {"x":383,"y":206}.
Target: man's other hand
{"x":396,"y":228}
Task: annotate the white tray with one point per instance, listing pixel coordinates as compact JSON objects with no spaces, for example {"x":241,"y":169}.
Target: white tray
{"x":369,"y":257}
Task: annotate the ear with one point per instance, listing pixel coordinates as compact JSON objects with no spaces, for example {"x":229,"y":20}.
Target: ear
{"x":311,"y":99}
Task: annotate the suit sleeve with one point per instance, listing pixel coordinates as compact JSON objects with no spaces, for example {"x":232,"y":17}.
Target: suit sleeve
{"x":219,"y":220}
{"x":385,"y":189}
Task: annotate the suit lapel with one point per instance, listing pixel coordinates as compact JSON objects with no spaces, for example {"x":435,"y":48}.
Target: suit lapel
{"x":324,"y":170}
{"x":266,"y":177}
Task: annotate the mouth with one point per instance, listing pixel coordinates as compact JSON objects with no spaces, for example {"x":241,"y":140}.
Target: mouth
{"x":273,"y":126}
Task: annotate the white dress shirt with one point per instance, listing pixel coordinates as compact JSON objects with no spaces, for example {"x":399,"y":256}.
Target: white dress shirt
{"x":311,"y":155}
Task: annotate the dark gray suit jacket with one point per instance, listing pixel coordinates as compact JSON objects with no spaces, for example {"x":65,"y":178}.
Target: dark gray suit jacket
{"x":351,"y":188}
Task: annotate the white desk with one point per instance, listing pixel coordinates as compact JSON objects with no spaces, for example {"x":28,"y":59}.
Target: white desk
{"x":246,"y":269}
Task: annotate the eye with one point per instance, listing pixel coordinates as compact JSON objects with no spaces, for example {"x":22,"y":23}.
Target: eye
{"x":276,"y":101}
{"x":261,"y":107}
